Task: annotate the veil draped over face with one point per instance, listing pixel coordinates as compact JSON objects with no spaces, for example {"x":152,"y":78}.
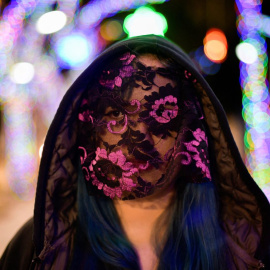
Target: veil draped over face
{"x":137,"y":120}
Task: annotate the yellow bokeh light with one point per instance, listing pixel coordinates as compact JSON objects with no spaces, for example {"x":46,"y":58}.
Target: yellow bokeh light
{"x":215,"y":50}
{"x":215,"y":45}
{"x":111,"y":30}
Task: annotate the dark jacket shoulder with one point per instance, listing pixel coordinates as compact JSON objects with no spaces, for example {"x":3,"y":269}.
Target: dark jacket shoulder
{"x":19,"y":252}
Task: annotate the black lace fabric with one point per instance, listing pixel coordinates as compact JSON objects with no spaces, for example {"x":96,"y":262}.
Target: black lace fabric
{"x":134,"y":121}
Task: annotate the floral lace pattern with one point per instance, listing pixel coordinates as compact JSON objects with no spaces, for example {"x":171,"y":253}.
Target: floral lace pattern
{"x":114,"y":77}
{"x":112,"y":173}
{"x":194,"y":151}
{"x":116,"y":153}
{"x":191,"y":149}
{"x":161,"y":112}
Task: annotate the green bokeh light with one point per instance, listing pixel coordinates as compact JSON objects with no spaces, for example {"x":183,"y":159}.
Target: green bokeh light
{"x":144,"y":21}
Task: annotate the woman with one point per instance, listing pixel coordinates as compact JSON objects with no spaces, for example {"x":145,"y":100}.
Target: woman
{"x":140,"y":171}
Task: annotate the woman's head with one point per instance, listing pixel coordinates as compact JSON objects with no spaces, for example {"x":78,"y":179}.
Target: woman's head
{"x":133,"y":114}
{"x":142,"y":130}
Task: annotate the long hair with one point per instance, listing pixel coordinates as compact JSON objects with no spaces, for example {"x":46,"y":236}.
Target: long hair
{"x":100,"y":242}
{"x":195,"y":239}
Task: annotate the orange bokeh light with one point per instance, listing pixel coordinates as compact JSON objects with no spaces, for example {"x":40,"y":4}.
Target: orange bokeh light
{"x":215,"y":45}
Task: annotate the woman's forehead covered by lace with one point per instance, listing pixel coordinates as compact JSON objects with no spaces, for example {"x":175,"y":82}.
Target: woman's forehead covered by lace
{"x":127,"y":72}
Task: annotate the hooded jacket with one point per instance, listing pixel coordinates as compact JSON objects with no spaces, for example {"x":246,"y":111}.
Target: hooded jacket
{"x":244,"y":209}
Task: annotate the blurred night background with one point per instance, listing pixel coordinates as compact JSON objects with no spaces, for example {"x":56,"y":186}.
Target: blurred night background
{"x":45,"y":45}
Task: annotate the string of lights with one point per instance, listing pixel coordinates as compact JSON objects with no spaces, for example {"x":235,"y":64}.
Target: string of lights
{"x":252,"y":52}
{"x":20,"y":144}
{"x":37,"y":41}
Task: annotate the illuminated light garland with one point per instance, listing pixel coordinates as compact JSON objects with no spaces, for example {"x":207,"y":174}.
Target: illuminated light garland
{"x":22,"y":73}
{"x":11,"y":26}
{"x":251,"y":25}
{"x":47,"y":87}
{"x":264,"y":25}
{"x":246,"y":52}
{"x":20,"y":139}
{"x":47,"y":68}
{"x":19,"y":100}
{"x":20,"y":142}
{"x":20,"y":133}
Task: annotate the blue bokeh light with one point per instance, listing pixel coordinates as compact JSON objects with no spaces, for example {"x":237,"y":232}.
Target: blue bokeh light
{"x":73,"y":51}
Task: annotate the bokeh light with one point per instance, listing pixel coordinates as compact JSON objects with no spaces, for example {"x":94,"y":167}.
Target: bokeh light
{"x":111,"y":30}
{"x":215,"y":45}
{"x":252,"y":52}
{"x":51,"y":22}
{"x":22,"y":73}
{"x":246,"y":52}
{"x":144,"y":21}
{"x":205,"y":65}
{"x":73,"y":50}
{"x":265,"y":25}
{"x":20,"y":142}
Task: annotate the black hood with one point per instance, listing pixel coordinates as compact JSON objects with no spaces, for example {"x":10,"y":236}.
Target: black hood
{"x":244,"y":209}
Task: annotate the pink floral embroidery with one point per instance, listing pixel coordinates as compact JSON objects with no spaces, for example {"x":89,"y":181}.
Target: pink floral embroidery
{"x":163,"y":114}
{"x":113,"y":123}
{"x":199,"y":154}
{"x":118,"y":81}
{"x":134,"y":102}
{"x":188,"y":75}
{"x":83,"y":158}
{"x":144,"y":166}
{"x":108,"y":83}
{"x":186,"y":161}
{"x":202,"y":162}
{"x":116,"y":162}
{"x":125,"y":71}
{"x":127,"y":58}
{"x":200,"y":135}
{"x":85,"y":116}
